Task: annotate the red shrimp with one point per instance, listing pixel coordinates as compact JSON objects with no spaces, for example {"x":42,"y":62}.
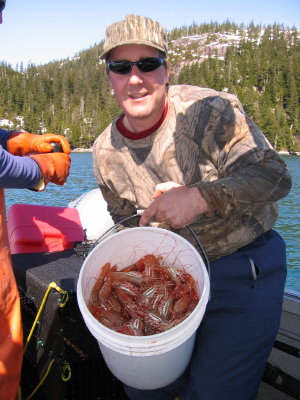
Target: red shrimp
{"x":112,"y":303}
{"x":95,"y":310}
{"x":190,"y":282}
{"x":125,"y":329}
{"x":165,"y":308}
{"x":145,"y":298}
{"x":153,"y":319}
{"x":137,"y":326}
{"x":174,"y":275}
{"x":127,"y":287}
{"x":114,"y":317}
{"x":99,"y":282}
{"x":150,"y":295}
{"x":148,"y":262}
{"x":105,"y":291}
{"x":182,"y":305}
{"x":123,"y":296}
{"x":134,"y":310}
{"x":131,"y":267}
{"x":131,"y":276}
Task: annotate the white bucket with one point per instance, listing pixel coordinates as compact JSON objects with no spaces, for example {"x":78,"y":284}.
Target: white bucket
{"x":145,"y":362}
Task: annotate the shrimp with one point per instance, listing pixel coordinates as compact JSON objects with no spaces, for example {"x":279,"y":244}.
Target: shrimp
{"x":131,"y":276}
{"x":145,"y":298}
{"x":105,"y":291}
{"x":182,"y":305}
{"x":99,"y":282}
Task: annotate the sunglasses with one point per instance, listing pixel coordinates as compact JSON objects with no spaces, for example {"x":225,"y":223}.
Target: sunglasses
{"x":144,"y":65}
{"x":2,"y":5}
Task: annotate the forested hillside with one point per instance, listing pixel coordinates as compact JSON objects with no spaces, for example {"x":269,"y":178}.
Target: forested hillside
{"x":261,"y":65}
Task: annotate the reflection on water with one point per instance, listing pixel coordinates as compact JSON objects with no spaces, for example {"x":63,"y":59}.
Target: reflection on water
{"x":81,"y":180}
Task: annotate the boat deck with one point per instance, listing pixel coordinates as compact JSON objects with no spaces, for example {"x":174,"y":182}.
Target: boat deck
{"x":267,"y":392}
{"x":63,"y":334}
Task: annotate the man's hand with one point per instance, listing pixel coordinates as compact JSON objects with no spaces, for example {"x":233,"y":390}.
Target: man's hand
{"x":22,"y":143}
{"x":175,"y":205}
{"x":54,"y":167}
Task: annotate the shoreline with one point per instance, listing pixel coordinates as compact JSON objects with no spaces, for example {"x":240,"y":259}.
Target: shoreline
{"x":81,"y":150}
{"x":281,"y":152}
{"x":288,"y":153}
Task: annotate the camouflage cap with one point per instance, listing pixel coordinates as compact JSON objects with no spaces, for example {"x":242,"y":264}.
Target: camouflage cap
{"x":135,"y":30}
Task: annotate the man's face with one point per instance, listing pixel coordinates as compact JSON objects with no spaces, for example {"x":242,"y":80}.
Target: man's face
{"x":2,"y":5}
{"x":142,"y":95}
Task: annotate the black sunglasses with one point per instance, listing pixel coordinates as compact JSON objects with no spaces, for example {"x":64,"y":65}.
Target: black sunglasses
{"x":2,"y":5}
{"x":144,"y":65}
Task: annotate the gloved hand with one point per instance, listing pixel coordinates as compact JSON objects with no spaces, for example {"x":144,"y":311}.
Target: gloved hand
{"x":54,"y":167}
{"x":22,"y":143}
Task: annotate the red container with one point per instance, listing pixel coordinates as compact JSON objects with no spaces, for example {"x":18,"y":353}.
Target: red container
{"x":35,"y":229}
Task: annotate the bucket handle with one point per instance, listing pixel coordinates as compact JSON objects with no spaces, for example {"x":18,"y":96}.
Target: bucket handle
{"x":114,"y":229}
{"x":204,"y":256}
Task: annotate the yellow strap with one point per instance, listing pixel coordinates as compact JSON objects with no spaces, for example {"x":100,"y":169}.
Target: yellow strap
{"x":51,"y":286}
{"x":42,"y":380}
{"x":65,"y":378}
{"x":66,"y":372}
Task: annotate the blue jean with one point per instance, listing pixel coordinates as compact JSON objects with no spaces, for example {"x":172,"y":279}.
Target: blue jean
{"x":239,"y":327}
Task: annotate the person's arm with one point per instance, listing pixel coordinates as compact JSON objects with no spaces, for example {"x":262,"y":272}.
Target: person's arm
{"x":18,"y":172}
{"x":250,"y":174}
{"x":36,"y":170}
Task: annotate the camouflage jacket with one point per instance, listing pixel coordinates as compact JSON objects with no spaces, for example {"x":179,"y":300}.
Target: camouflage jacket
{"x":206,"y":140}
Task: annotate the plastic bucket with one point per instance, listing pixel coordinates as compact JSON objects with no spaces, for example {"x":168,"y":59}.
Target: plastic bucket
{"x":145,"y":362}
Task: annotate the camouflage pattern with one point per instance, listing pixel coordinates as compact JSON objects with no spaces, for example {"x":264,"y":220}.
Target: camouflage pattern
{"x":206,"y":140}
{"x":135,"y":30}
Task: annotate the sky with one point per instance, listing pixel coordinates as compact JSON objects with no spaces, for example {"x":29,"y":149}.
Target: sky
{"x":40,"y":31}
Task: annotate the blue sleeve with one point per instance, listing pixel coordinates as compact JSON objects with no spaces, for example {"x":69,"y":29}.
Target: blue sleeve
{"x":17,"y":172}
{"x":4,"y":135}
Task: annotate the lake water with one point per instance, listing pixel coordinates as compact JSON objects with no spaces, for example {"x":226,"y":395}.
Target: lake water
{"x":81,"y":180}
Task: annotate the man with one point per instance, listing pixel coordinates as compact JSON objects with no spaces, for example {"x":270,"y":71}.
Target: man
{"x":191,"y":156}
{"x":21,"y":167}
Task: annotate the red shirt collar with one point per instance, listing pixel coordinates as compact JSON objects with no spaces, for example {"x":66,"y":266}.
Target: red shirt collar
{"x":140,"y":135}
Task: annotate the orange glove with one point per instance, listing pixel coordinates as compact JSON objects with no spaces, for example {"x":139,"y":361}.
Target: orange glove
{"x":22,"y":143}
{"x":54,"y":167}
